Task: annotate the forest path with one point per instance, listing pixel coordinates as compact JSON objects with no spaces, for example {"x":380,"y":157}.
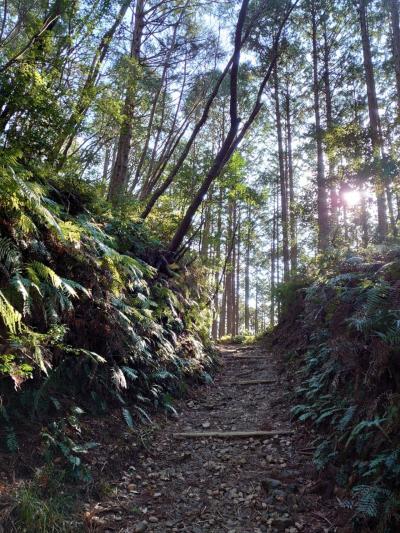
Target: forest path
{"x":241,"y":485}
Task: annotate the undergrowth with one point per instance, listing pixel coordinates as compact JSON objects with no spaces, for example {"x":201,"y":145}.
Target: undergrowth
{"x":43,"y":504}
{"x":88,"y":322}
{"x":346,"y":343}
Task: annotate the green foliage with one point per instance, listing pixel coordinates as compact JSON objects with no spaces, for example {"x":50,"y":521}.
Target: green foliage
{"x":349,"y":389}
{"x":238,"y":339}
{"x":42,"y":505}
{"x":286,"y":292}
{"x":58,"y":443}
{"x":84,"y":316}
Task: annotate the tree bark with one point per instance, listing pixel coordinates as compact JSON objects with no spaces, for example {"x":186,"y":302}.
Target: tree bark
{"x":234,"y":135}
{"x":282,"y":181}
{"x":238,"y":258}
{"x":334,"y":200}
{"x":247,"y":275}
{"x":374,"y":119}
{"x":205,"y":237}
{"x":222,"y":315}
{"x":119,"y":176}
{"x":323,"y":218}
{"x":230,"y":274}
{"x":214,"y":328}
{"x":106,"y":165}
{"x":290,"y":175}
{"x":394,"y":15}
{"x":272,"y":280}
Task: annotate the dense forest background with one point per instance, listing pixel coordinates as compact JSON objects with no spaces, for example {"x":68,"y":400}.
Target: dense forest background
{"x":176,"y":171}
{"x":135,"y":103}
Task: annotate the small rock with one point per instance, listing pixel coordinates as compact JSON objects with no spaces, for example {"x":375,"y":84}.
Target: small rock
{"x":282,"y":523}
{"x":269,"y":484}
{"x":139,"y":528}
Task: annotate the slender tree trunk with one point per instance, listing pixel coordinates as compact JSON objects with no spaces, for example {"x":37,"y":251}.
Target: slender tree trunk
{"x":389,"y":196}
{"x":234,"y":135}
{"x":282,"y":181}
{"x":247,"y":275}
{"x":256,"y":318}
{"x":323,"y":218}
{"x":190,"y":142}
{"x":237,"y":289}
{"x":222,"y":316}
{"x":233,"y":277}
{"x":364,"y":221}
{"x":374,"y":119}
{"x":106,"y":165}
{"x":119,"y":176}
{"x":216,"y":310}
{"x":334,"y":200}
{"x":290,"y":174}
{"x":273,"y":257}
{"x":72,"y":125}
{"x":205,"y":238}
{"x":394,"y":15}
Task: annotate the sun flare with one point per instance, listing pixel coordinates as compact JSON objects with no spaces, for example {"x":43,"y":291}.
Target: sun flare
{"x":352,"y":198}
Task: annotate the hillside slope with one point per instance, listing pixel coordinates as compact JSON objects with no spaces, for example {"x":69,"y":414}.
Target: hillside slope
{"x":342,"y":335}
{"x":87,"y":319}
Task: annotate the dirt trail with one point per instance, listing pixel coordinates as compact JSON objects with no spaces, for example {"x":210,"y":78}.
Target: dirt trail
{"x":245,"y":485}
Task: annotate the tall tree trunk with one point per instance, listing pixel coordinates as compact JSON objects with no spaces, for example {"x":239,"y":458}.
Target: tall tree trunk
{"x":392,"y":218}
{"x":106,"y":165}
{"x":282,"y":180}
{"x":323,"y":218}
{"x":237,"y":288}
{"x":256,"y":317}
{"x":334,"y":200}
{"x":205,"y":237}
{"x":228,"y":284}
{"x":374,"y":120}
{"x":394,"y":15}
{"x":233,"y":277}
{"x":273,"y":256}
{"x":216,"y":310}
{"x":290,"y":175}
{"x":247,"y":275}
{"x":222,"y":315}
{"x":234,"y":135}
{"x":119,"y":176}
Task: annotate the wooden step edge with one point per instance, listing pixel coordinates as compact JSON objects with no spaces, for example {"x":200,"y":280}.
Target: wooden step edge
{"x":231,"y":434}
{"x":255,"y":382}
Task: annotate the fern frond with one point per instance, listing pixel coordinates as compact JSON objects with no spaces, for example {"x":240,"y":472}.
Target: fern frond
{"x":118,"y":378}
{"x":127,"y":417}
{"x":9,"y":315}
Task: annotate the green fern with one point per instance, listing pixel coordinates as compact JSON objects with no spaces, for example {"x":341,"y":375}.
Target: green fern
{"x":9,"y":315}
{"x":11,"y":440}
{"x":369,"y":499}
{"x":128,"y":418}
